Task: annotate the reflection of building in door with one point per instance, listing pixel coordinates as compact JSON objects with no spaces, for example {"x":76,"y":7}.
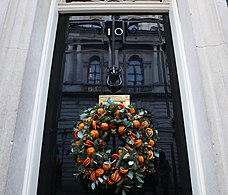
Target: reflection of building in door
{"x":141,"y":53}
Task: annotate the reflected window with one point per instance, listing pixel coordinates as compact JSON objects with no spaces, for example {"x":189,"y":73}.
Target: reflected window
{"x":135,"y":71}
{"x":133,"y":27}
{"x":94,"y":75}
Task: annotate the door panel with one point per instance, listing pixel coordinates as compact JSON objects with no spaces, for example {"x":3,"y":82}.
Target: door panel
{"x":145,"y":54}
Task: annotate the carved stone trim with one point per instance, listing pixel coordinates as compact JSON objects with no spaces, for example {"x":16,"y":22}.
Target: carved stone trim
{"x":113,"y":7}
{"x":64,"y":1}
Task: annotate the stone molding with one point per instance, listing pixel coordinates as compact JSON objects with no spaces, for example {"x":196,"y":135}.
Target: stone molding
{"x":114,"y":7}
{"x":64,"y":1}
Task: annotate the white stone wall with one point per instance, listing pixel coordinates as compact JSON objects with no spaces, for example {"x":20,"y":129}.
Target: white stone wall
{"x":22,"y":28}
{"x":204,"y":27}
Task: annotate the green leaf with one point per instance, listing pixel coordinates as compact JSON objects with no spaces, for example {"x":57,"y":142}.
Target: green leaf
{"x":126,"y":123}
{"x":113,"y":161}
{"x":107,"y":162}
{"x":141,"y":170}
{"x":156,"y":131}
{"x":118,"y":122}
{"x":126,"y":156}
{"x":139,"y":180}
{"x":93,"y":186}
{"x":105,"y":135}
{"x":139,"y":185}
{"x":105,"y":177}
{"x":117,"y":189}
{"x":81,"y":134}
{"x":89,"y":137}
{"x":134,"y":166}
{"x":110,"y":100}
{"x":83,"y":117}
{"x":118,"y":163}
{"x":100,"y":179}
{"x":113,"y":121}
{"x":156,"y":153}
{"x":99,"y":155}
{"x":105,"y":157}
{"x":129,"y":141}
{"x":108,"y":151}
{"x":81,"y":168}
{"x":95,"y":143}
{"x":130,"y":174}
{"x":95,"y":162}
{"x":120,"y":182}
{"x":137,"y":135}
{"x":107,"y":119}
{"x":122,"y":110}
{"x":123,"y":192}
{"x":141,"y":112}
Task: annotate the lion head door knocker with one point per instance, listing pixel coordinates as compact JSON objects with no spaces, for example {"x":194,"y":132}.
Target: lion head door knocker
{"x":114,"y":79}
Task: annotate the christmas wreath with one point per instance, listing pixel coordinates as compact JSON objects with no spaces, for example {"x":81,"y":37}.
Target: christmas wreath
{"x":122,"y":169}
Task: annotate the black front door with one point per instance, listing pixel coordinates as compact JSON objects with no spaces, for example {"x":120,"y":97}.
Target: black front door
{"x":83,"y":52}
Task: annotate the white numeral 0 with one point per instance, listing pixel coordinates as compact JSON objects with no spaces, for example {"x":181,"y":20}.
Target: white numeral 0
{"x":117,"y":31}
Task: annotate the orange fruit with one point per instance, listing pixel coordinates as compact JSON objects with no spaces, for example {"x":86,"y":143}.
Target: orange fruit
{"x":128,"y":147}
{"x":99,"y":172}
{"x":93,"y":124}
{"x":88,"y":119}
{"x":88,"y":143}
{"x":151,"y":142}
{"x":110,"y":181}
{"x":76,"y":134}
{"x":116,"y":177}
{"x":87,"y":172}
{"x":81,"y":126}
{"x":123,"y":171}
{"x":150,"y":154}
{"x":145,"y":124}
{"x":117,"y":112}
{"x":121,"y":105}
{"x":120,"y":152}
{"x":121,"y":130}
{"x":86,"y":161}
{"x":140,"y":159}
{"x":138,"y":143}
{"x":94,"y":134}
{"x":136,"y":124}
{"x":132,"y":110}
{"x":79,"y":161}
{"x":90,"y":151}
{"x":111,"y":126}
{"x":100,"y":111}
{"x":92,"y":111}
{"x":150,"y":132}
{"x":106,"y":166}
{"x":104,"y":126}
{"x":115,"y":156}
{"x":77,"y":143}
{"x":93,"y":176}
{"x":132,"y":136}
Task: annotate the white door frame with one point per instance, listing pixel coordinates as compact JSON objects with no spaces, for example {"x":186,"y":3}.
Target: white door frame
{"x":35,"y":140}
